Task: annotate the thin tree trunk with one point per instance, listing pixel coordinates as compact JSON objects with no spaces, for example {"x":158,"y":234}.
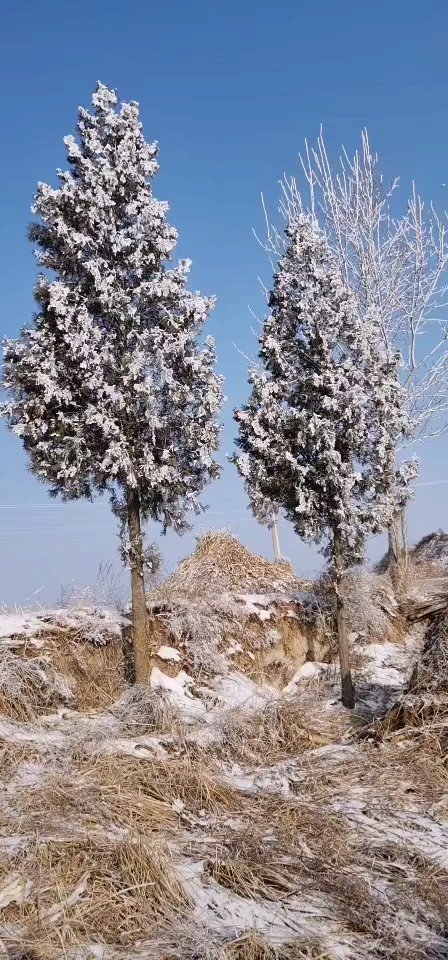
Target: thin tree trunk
{"x":394,"y":545}
{"x":394,"y":552}
{"x":347,"y":688}
{"x":139,"y":612}
{"x":404,"y":536}
{"x":275,"y":541}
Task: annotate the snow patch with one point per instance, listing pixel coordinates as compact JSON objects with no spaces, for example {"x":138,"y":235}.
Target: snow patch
{"x":311,"y":670}
{"x":168,"y":653}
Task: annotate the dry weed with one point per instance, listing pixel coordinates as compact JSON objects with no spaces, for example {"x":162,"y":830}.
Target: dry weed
{"x":200,"y":604}
{"x":141,"y":709}
{"x":223,"y":565}
{"x":30,"y":687}
{"x":12,"y":755}
{"x":283,"y":728}
{"x":119,"y":892}
{"x":92,"y":795}
{"x":256,"y":881}
{"x":193,"y":781}
{"x":420,"y":717}
{"x":251,"y":946}
{"x":97,"y":673}
{"x":304,"y":832}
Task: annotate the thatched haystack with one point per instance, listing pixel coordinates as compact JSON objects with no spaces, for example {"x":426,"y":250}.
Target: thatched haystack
{"x":221,"y":564}
{"x":225,"y":605}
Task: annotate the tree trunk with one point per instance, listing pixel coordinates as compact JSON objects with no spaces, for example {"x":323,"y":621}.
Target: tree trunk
{"x":404,"y":537}
{"x":275,"y":541}
{"x":394,"y":543}
{"x":394,"y":553}
{"x":139,"y":612}
{"x":347,"y":688}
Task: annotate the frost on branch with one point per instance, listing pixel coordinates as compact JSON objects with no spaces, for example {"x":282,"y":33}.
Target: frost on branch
{"x":319,"y":431}
{"x":395,"y":260}
{"x":110,"y":388}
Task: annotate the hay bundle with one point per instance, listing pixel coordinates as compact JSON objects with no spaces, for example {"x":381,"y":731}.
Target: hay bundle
{"x":225,"y":601}
{"x":220,"y":564}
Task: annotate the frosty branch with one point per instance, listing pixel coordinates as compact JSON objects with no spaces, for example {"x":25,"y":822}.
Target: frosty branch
{"x":397,"y":266}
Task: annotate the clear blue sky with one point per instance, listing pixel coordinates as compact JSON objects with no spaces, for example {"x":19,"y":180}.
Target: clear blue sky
{"x":229,"y":89}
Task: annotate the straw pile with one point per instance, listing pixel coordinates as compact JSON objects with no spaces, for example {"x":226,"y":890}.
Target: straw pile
{"x":224,"y":601}
{"x":221,"y":564}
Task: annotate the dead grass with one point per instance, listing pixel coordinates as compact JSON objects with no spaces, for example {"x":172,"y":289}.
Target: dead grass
{"x":284,"y":727}
{"x":120,"y":820}
{"x":117,"y":891}
{"x":420,"y":717}
{"x":30,"y":687}
{"x":67,"y":672}
{"x":221,"y":564}
{"x":256,"y":881}
{"x":304,"y":848}
{"x":93,"y":795}
{"x":190,"y":780}
{"x":251,"y":946}
{"x":201,"y":607}
{"x":12,"y":755}
{"x":142,"y":709}
{"x":97,"y":673}
{"x":308,"y":835}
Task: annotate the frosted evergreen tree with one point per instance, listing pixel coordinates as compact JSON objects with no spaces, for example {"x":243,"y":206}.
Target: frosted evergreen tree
{"x":109,"y":388}
{"x":319,"y":432}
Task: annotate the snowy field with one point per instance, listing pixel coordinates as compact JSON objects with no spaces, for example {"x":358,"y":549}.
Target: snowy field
{"x":211,"y":819}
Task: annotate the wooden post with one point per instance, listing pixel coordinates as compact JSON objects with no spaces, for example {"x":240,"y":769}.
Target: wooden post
{"x":347,"y":688}
{"x":139,"y":612}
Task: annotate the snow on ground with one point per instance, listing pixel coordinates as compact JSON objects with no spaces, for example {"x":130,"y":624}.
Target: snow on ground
{"x":168,"y":653}
{"x":357,"y":784}
{"x":96,"y":624}
{"x":261,"y":605}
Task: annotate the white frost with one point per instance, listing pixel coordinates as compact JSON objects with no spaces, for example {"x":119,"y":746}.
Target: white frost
{"x":169,"y":653}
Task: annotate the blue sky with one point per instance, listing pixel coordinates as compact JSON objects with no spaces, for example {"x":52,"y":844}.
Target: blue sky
{"x":230,"y":90}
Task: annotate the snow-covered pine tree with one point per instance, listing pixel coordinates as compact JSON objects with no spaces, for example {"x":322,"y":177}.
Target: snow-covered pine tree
{"x":319,"y":431}
{"x":109,"y":388}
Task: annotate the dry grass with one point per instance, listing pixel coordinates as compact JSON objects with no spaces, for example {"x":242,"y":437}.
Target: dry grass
{"x":117,"y":891}
{"x":97,"y":673}
{"x":30,"y":687}
{"x":12,"y":755}
{"x":142,"y":709}
{"x":90,"y":796}
{"x":68,"y":672}
{"x":307,"y":835}
{"x":251,"y":946}
{"x":421,"y":715}
{"x":303,"y":848}
{"x":284,"y":727}
{"x":256,"y":881}
{"x":222,"y":565}
{"x":120,"y":821}
{"x":188,"y":779}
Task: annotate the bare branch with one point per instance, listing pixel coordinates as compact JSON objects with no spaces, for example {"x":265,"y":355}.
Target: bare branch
{"x":396,"y":266}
